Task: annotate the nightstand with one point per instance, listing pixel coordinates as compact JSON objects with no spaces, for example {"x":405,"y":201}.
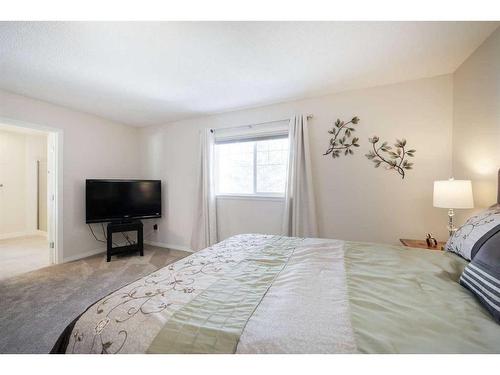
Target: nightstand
{"x":422,"y":244}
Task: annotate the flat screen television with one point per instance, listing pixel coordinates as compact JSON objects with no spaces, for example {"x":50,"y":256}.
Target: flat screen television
{"x":122,"y":200}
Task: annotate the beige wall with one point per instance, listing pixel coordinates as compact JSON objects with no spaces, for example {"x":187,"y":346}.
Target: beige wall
{"x":354,"y":200}
{"x":36,"y":149}
{"x":13,"y":178}
{"x":18,"y":195}
{"x":476,"y":126}
{"x":93,"y":148}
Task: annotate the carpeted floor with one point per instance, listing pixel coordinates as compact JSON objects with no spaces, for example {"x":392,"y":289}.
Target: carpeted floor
{"x":36,"y":307}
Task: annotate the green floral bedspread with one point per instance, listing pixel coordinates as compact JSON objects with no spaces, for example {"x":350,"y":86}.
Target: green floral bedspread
{"x":274,"y":294}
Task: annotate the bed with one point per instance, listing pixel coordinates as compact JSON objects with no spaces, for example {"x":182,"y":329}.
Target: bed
{"x":257,"y":293}
{"x":272,"y":294}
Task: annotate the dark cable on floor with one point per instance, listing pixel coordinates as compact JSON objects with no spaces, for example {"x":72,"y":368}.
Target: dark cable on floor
{"x":128,"y":239}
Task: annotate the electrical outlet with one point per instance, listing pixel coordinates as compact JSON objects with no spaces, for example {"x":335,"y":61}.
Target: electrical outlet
{"x":155,"y":227}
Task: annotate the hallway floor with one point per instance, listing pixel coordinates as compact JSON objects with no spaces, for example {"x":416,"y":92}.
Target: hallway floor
{"x":23,"y":254}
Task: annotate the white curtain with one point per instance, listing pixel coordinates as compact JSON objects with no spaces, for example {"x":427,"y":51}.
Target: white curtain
{"x":205,"y":217}
{"x":300,"y":212}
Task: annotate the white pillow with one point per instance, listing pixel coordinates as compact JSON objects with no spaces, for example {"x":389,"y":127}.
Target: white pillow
{"x":463,"y":240}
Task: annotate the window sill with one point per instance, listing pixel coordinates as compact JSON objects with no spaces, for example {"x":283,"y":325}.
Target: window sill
{"x":251,"y":197}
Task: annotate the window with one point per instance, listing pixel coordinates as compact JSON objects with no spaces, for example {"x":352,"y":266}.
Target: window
{"x":251,"y":167}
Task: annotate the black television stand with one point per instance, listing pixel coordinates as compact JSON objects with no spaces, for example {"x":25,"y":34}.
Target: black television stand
{"x":124,"y":227}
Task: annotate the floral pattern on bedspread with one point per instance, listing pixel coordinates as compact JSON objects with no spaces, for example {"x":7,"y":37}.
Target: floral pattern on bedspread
{"x":128,"y":320}
{"x":248,"y":294}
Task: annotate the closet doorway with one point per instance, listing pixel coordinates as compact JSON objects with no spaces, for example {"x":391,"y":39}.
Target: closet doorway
{"x":29,"y":179}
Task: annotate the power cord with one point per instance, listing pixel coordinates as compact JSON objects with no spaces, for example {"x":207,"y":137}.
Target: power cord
{"x":103,"y":232}
{"x":97,"y":239}
{"x":130,"y":242}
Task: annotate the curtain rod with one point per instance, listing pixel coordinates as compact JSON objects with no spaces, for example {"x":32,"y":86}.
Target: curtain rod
{"x":309,"y":116}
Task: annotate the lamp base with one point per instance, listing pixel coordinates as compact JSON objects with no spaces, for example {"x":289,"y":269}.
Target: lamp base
{"x":451,"y":228}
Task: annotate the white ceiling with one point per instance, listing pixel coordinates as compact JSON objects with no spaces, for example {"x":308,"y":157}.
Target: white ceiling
{"x":144,"y":73}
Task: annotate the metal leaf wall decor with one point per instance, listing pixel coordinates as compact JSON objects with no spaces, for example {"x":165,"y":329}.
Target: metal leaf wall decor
{"x":392,"y":158}
{"x":342,"y":140}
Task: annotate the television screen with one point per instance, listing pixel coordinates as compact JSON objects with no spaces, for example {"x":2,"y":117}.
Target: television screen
{"x":117,"y":200}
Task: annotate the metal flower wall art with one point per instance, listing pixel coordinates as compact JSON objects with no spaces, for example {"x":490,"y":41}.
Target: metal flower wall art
{"x":342,"y":140}
{"x":393,"y":158}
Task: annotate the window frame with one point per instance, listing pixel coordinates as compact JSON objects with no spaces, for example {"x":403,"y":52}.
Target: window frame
{"x":256,"y":194}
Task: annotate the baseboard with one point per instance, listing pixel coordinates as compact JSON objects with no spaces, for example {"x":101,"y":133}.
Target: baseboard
{"x":84,"y":255}
{"x":6,"y":236}
{"x":169,"y":246}
{"x":41,"y":233}
{"x":25,"y":233}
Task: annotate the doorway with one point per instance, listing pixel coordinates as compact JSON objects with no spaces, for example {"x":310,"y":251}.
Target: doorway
{"x":30,"y":179}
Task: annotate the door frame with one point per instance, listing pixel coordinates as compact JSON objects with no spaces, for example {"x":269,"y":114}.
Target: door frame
{"x":55,"y":188}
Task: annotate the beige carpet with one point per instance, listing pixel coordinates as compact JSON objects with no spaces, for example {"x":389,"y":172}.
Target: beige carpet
{"x":23,"y":254}
{"x":35,"y":307}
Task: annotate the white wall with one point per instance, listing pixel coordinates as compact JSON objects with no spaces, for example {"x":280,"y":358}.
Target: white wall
{"x":476,"y":127}
{"x":354,"y":200}
{"x":18,"y":197}
{"x":258,"y":215}
{"x":13,"y":179}
{"x":93,"y":148}
{"x":36,"y":149}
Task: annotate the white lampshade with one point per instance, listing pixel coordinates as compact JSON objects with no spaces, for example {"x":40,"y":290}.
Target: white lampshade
{"x":453,"y":194}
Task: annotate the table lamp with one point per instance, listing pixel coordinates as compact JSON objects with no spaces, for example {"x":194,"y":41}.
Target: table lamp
{"x":453,"y":194}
